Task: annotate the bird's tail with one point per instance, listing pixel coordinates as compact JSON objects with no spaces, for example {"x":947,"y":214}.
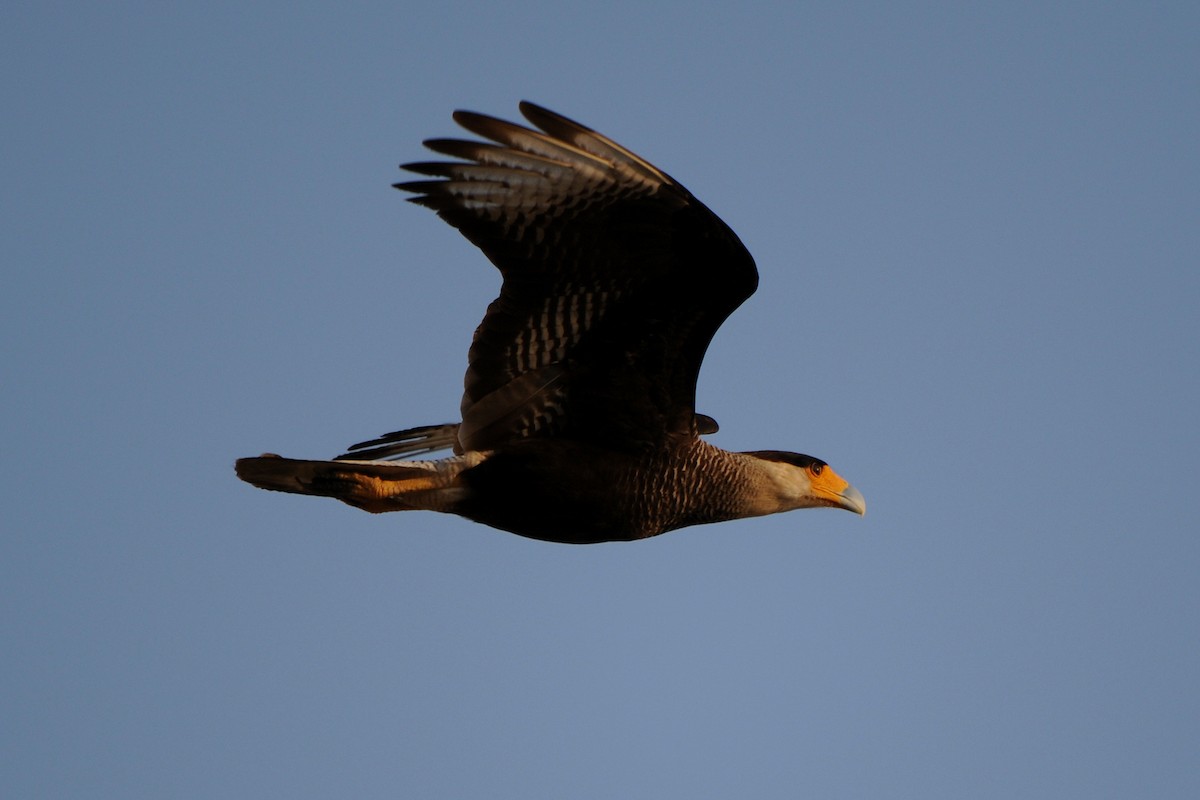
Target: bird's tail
{"x":369,"y":485}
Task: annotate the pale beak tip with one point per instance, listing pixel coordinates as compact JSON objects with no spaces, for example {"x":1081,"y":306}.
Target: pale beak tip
{"x":852,"y":500}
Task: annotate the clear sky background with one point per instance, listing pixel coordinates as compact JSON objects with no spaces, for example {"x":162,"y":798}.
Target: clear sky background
{"x":978,"y":229}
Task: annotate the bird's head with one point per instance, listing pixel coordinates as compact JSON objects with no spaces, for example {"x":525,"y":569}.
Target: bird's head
{"x":794,"y":480}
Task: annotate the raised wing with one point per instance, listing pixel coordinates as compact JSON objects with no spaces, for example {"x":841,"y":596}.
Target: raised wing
{"x":615,"y":280}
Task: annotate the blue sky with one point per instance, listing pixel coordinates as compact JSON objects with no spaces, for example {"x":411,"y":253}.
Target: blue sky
{"x":977,"y":233}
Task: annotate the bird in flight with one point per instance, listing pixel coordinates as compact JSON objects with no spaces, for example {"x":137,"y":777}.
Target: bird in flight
{"x":579,"y":419}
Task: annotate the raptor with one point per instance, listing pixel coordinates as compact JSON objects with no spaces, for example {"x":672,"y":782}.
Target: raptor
{"x":578,"y":418}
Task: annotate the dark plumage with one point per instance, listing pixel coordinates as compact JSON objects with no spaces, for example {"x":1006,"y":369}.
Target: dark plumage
{"x":578,"y":416}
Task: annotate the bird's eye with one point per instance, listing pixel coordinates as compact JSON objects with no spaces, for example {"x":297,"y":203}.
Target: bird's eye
{"x":816,"y":468}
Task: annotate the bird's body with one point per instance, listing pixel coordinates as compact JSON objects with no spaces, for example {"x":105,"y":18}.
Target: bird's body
{"x":578,"y":416}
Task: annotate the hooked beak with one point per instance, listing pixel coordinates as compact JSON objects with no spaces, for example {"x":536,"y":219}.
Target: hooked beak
{"x":851,"y":499}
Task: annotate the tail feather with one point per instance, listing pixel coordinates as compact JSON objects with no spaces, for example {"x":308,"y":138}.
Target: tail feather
{"x":371,"y":486}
